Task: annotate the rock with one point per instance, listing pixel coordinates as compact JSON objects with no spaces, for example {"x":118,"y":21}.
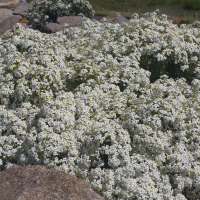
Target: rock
{"x":52,"y":28}
{"x":116,"y":18}
{"x":179,"y":21}
{"x":22,"y":1}
{"x":9,"y":17}
{"x":20,"y":9}
{"x":72,"y":21}
{"x":4,"y":14}
{"x":10,"y":4}
{"x":9,"y":22}
{"x":35,"y":182}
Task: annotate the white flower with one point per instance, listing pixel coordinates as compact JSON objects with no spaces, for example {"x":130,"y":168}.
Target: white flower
{"x":79,"y":101}
{"x":184,"y":67}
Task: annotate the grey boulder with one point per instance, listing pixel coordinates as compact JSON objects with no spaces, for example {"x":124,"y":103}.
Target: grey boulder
{"x":36,"y":182}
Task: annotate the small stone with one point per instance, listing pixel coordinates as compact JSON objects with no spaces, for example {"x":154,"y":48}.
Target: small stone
{"x":72,"y":21}
{"x":116,"y":18}
{"x":52,"y":28}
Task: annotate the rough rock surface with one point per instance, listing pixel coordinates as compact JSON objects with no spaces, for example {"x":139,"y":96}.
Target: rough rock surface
{"x":10,"y":15}
{"x":9,"y":22}
{"x":52,"y":28}
{"x":10,"y":4}
{"x":4,"y":14}
{"x":35,"y":182}
{"x":72,"y":21}
{"x":116,"y":18}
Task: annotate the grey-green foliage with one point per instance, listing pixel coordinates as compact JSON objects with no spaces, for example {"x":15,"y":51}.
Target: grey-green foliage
{"x":42,"y":13}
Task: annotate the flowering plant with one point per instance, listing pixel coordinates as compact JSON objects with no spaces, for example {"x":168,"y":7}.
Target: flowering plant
{"x":80,"y":101}
{"x":42,"y":13}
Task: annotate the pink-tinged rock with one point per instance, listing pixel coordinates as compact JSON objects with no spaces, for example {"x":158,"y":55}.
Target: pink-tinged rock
{"x":9,"y":22}
{"x":4,"y":14}
{"x":72,"y":21}
{"x":116,"y":18}
{"x":20,"y":9}
{"x":9,"y":4}
{"x":52,"y":28}
{"x":35,"y":182}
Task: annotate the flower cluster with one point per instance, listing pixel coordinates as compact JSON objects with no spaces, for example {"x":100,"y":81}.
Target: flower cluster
{"x":42,"y":13}
{"x":83,"y":100}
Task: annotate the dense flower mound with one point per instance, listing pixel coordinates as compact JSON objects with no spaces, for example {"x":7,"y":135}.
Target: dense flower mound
{"x":100,"y":101}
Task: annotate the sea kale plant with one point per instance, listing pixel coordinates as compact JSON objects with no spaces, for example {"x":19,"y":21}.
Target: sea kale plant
{"x":42,"y":12}
{"x":100,"y":102}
